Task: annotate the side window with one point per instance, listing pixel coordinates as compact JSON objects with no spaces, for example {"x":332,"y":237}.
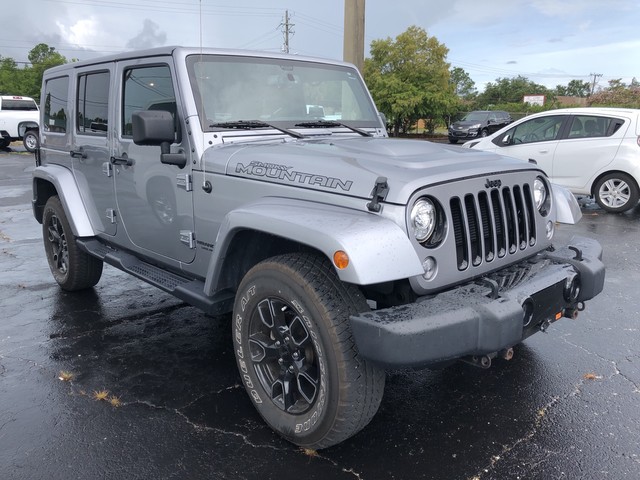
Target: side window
{"x":92,"y":103}
{"x":147,"y":88}
{"x":537,"y":130}
{"x":56,"y":92}
{"x":585,"y":126}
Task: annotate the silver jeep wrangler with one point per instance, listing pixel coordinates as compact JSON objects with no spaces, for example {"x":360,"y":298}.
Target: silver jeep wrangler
{"x":265,"y":185}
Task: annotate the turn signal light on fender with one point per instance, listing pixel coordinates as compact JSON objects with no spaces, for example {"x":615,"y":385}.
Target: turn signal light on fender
{"x":341,"y":260}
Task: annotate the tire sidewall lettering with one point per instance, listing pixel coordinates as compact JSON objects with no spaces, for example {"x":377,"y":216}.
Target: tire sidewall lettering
{"x":299,"y":425}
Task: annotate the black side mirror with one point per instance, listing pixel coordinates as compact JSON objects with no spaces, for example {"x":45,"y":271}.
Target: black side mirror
{"x":152,"y":127}
{"x":156,"y":128}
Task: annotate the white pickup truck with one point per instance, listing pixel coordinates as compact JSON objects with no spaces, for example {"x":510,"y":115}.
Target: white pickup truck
{"x":19,"y":121}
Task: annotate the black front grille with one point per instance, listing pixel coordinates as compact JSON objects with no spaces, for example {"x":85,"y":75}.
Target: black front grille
{"x":493,"y":224}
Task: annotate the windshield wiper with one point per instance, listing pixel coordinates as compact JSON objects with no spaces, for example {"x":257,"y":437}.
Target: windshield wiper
{"x":250,"y":124}
{"x":332,"y":123}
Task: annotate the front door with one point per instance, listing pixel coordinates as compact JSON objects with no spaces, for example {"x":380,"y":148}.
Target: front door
{"x":155,"y":201}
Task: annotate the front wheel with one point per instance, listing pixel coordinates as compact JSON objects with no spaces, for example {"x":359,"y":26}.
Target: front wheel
{"x":616,"y":192}
{"x":72,"y":268}
{"x":30,"y":141}
{"x":296,"y":353}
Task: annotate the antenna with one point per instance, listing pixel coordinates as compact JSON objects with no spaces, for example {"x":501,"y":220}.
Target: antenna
{"x":287,"y":30}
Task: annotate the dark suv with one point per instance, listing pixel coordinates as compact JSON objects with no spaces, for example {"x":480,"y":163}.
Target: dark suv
{"x":479,"y":123}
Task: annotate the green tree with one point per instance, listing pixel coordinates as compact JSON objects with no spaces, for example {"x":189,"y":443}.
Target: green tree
{"x":11,"y":77}
{"x":42,"y":57}
{"x":462,"y":83}
{"x":409,"y":78}
{"x":510,"y":90}
{"x":575,"y":88}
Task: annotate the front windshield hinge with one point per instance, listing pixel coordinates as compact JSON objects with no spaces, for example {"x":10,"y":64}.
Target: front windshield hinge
{"x":378,"y":194}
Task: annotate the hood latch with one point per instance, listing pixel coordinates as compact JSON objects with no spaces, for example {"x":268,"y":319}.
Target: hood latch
{"x":378,"y":194}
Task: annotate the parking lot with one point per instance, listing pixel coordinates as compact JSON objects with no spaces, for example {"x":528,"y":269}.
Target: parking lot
{"x":125,"y":382}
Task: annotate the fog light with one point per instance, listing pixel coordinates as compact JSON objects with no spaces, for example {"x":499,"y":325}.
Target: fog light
{"x":550,"y":229}
{"x":430,"y":268}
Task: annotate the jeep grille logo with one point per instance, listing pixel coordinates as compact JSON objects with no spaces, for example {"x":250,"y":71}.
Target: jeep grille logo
{"x":493,"y":184}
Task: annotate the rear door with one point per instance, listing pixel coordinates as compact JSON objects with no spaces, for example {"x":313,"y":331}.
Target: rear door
{"x":90,"y":147}
{"x":155,"y":201}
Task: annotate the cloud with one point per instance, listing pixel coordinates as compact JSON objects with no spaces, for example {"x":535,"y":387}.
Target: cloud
{"x":149,"y":37}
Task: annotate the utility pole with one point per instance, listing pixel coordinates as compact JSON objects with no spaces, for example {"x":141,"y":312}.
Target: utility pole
{"x":594,"y":81}
{"x":287,"y":30}
{"x":353,"y":49}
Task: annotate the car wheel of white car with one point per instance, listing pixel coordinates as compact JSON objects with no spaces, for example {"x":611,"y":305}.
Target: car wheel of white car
{"x":30,"y":141}
{"x":616,"y":192}
{"x":296,"y":354}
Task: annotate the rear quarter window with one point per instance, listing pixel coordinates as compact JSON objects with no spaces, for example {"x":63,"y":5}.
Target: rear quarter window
{"x":55,"y":115}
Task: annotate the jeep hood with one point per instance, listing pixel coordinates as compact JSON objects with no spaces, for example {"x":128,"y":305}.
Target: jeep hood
{"x":351,"y":166}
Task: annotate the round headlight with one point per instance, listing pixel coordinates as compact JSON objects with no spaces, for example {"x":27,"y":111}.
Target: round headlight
{"x":423,"y":219}
{"x":539,"y":193}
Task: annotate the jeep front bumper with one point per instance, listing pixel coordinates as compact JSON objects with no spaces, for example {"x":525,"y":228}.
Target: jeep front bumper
{"x":483,"y":317}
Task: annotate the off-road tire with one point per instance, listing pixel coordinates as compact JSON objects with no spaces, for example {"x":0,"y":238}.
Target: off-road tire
{"x":72,"y":268}
{"x":294,"y":307}
{"x":616,"y":192}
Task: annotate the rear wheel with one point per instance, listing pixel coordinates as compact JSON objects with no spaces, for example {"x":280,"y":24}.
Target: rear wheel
{"x":616,"y":192}
{"x":72,"y":268}
{"x":296,"y":353}
{"x":30,"y":141}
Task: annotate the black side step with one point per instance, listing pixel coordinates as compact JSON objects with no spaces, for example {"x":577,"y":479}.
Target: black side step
{"x":186,"y":289}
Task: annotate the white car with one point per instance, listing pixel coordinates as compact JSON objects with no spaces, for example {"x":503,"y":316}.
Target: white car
{"x":591,"y":151}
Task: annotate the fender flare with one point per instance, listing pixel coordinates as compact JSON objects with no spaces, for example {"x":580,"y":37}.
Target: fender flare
{"x":567,"y":207}
{"x":379,"y":250}
{"x":67,"y":190}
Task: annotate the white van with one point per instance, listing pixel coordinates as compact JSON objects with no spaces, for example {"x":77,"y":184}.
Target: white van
{"x":591,"y":151}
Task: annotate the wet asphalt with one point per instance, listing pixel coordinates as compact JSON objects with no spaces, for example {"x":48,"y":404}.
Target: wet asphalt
{"x":125,"y":382}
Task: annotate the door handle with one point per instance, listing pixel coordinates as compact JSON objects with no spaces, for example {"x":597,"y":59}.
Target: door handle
{"x":123,"y":160}
{"x":78,"y":153}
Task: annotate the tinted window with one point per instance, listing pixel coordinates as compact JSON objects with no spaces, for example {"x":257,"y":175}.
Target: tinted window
{"x":92,"y":103}
{"x":56,"y":92}
{"x":536,"y":130}
{"x":146,"y":88}
{"x":19,"y":104}
{"x":585,"y":126}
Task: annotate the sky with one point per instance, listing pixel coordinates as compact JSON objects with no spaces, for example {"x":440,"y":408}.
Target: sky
{"x":548,"y":41}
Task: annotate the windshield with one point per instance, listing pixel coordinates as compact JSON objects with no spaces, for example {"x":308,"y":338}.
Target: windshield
{"x":288,"y":92}
{"x":475,"y":117}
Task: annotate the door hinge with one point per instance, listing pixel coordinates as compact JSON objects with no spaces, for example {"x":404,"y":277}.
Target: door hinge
{"x":111,"y":215}
{"x":107,"y":169}
{"x":184,"y":181}
{"x":188,"y":238}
